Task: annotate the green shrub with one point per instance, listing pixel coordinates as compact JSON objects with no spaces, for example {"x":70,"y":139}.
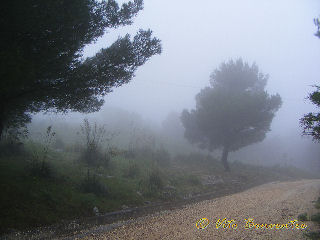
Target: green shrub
{"x":152,"y":184}
{"x":91,"y":184}
{"x":313,"y":235}
{"x":94,"y":136}
{"x":41,"y":169}
{"x":155,"y":182}
{"x":10,"y":148}
{"x":193,"y":180}
{"x":303,"y":217}
{"x":94,"y":157}
{"x":316,"y":218}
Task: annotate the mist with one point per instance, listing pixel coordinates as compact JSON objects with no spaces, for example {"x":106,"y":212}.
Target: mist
{"x":111,"y":110}
{"x":196,"y":38}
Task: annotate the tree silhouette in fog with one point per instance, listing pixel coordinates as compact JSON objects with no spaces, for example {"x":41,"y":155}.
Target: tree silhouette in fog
{"x":41,"y":55}
{"x":311,"y":121}
{"x":234,"y":112}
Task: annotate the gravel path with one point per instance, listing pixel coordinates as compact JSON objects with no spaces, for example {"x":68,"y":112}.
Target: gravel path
{"x":273,"y":203}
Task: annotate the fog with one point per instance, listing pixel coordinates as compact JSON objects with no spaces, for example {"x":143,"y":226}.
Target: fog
{"x":197,"y":36}
{"x":107,"y":127}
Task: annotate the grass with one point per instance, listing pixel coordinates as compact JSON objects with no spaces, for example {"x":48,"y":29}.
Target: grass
{"x":73,"y":189}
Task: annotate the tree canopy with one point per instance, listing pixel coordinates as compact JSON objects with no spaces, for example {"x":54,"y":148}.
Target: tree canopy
{"x":234,"y":112}
{"x":311,"y":121}
{"x":42,"y":66}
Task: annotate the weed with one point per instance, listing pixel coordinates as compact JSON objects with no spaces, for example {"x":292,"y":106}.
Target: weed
{"x":38,"y":166}
{"x":94,"y":136}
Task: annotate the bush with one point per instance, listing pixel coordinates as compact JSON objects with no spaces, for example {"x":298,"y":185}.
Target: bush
{"x":94,"y":136}
{"x":152,"y":184}
{"x":193,"y":180}
{"x":41,"y":169}
{"x":11,"y":141}
{"x":313,"y":235}
{"x":316,"y":218}
{"x":8,"y":148}
{"x":93,"y":157}
{"x":155,"y":182}
{"x":91,"y":184}
{"x":303,"y":217}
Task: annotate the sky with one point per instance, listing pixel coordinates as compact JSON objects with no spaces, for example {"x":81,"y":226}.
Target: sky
{"x":197,"y":36}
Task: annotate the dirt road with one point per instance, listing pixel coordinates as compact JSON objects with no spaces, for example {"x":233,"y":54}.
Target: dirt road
{"x":270,"y":204}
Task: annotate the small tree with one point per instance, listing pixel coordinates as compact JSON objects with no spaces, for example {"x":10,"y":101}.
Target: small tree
{"x":94,"y":137}
{"x":234,"y":112}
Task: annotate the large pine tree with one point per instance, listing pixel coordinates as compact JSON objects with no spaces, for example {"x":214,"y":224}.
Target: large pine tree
{"x":41,"y":64}
{"x":234,"y":112}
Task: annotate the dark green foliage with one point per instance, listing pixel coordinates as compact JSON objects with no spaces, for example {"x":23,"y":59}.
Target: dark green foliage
{"x":41,"y":169}
{"x":28,"y":201}
{"x":94,"y":136}
{"x":194,"y":180}
{"x":11,"y":141}
{"x":234,"y":112}
{"x":92,"y":184}
{"x":94,"y":157}
{"x":153,"y":183}
{"x":303,"y":217}
{"x":313,"y":235}
{"x":38,"y":165}
{"x":9,"y":148}
{"x":42,"y":66}
{"x":311,"y":121}
{"x":155,"y":180}
{"x":316,"y":218}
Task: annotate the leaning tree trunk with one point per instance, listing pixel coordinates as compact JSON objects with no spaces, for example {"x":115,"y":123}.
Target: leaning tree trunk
{"x":224,"y":158}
